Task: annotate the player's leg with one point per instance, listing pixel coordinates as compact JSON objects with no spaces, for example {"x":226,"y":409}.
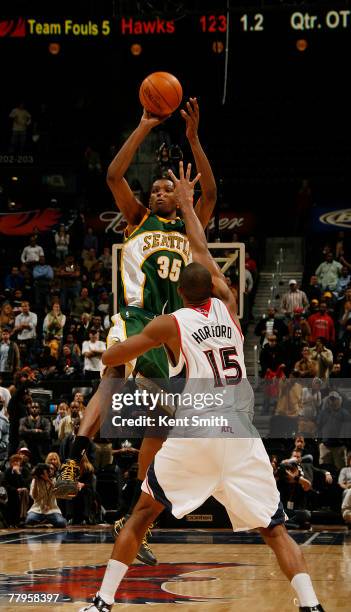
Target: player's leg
{"x":292,"y":563}
{"x":124,"y":551}
{"x":249,"y":493}
{"x":95,"y":414}
{"x":153,"y":369}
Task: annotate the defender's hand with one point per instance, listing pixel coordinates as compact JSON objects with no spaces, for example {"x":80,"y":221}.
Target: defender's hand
{"x":184,"y":187}
{"x":191,"y":117}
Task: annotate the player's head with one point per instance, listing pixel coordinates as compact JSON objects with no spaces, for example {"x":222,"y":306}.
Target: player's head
{"x":162,"y":199}
{"x":195,"y":284}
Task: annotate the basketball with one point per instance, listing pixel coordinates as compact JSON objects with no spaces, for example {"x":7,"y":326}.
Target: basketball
{"x":160,"y":93}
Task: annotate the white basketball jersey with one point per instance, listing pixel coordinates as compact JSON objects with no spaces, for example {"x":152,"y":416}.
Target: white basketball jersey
{"x":211,"y":343}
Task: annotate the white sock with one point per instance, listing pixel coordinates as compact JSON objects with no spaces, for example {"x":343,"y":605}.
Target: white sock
{"x":114,"y":574}
{"x":302,"y":584}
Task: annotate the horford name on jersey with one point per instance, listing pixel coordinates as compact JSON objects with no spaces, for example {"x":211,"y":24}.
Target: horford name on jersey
{"x":212,"y":331}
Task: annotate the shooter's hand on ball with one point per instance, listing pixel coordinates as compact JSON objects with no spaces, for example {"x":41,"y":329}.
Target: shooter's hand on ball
{"x":192,"y":118}
{"x":184,"y":187}
{"x":150,"y":121}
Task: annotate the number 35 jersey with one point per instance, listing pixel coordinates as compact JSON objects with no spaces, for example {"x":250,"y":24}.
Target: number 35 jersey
{"x":151,"y":261}
{"x":212,"y":348}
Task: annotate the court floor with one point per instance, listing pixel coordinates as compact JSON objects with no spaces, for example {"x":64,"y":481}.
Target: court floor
{"x":201,"y":570}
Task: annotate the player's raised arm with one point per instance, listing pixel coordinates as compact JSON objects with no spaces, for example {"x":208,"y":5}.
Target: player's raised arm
{"x":162,"y":330}
{"x":184,"y":191}
{"x":206,"y":203}
{"x":127,"y":203}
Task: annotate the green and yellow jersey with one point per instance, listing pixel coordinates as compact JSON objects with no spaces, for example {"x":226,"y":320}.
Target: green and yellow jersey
{"x":152,"y":258}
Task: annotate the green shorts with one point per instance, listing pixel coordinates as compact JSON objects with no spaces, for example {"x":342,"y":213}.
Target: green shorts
{"x":128,"y":322}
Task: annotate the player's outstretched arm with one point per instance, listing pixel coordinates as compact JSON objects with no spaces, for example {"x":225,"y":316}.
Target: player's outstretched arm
{"x":132,"y":209}
{"x":184,"y":191}
{"x":206,"y":203}
{"x":162,"y":330}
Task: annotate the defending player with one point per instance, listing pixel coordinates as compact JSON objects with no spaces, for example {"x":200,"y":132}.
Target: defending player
{"x":153,"y":255}
{"x":185,"y":472}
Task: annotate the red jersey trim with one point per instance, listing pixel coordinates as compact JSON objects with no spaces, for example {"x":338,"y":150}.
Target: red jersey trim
{"x":181,"y":345}
{"x":204,"y":309}
{"x":234,"y":321}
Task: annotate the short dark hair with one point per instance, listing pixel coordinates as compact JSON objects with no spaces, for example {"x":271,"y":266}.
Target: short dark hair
{"x":196,"y":283}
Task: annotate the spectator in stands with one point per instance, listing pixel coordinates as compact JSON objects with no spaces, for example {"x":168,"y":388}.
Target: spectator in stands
{"x":322,"y":325}
{"x":67,"y":442}
{"x":306,"y":366}
{"x":344,"y":281}
{"x":106,"y":258}
{"x":271,"y":325}
{"x":97,"y":286}
{"x":92,"y":352}
{"x":32,"y":252}
{"x":344,"y":482}
{"x":89,"y":260}
{"x":310,"y":470}
{"x":69,"y":275}
{"x":54,"y":323}
{"x":332,"y":422}
{"x":96,"y":323}
{"x":299,"y":321}
{"x":67,"y":423}
{"x":271,"y":356}
{"x":328,"y":273}
{"x":5,"y":395}
{"x":47,"y":364}
{"x":62,"y":411}
{"x":79,"y":399}
{"x":103,"y":303}
{"x":324,"y":358}
{"x":14,"y":280}
{"x":82,"y":507}
{"x":82,"y":304}
{"x":69,"y":363}
{"x":53,"y":460}
{"x":18,"y":494}
{"x":44,"y":508}
{"x":73,"y":346}
{"x":35,"y":431}
{"x":21,"y":119}
{"x":26,"y":328}
{"x":345,"y":309}
{"x":7,"y":319}
{"x":311,"y":403}
{"x":90,"y":242}
{"x":294,"y":298}
{"x":292,"y":349}
{"x":9,"y":356}
{"x":290,"y":398}
{"x":313,"y":290}
{"x":43,"y":275}
{"x":293,"y":487}
{"x":62,"y":239}
{"x":83,"y":328}
{"x":4,"y":433}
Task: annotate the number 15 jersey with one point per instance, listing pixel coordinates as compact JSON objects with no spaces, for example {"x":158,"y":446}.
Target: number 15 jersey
{"x":212,"y":348}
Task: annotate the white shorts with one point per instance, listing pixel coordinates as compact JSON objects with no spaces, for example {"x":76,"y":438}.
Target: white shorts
{"x":235,"y":471}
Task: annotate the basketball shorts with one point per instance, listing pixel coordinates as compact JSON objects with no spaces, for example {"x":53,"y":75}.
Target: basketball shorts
{"x":235,"y":471}
{"x":128,"y":322}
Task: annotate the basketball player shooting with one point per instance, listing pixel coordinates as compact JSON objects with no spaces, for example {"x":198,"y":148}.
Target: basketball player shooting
{"x":154,"y":252}
{"x":186,"y":471}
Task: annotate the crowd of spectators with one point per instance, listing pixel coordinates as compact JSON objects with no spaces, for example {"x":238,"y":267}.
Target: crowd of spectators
{"x":305,"y":360}
{"x":54,"y":319}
